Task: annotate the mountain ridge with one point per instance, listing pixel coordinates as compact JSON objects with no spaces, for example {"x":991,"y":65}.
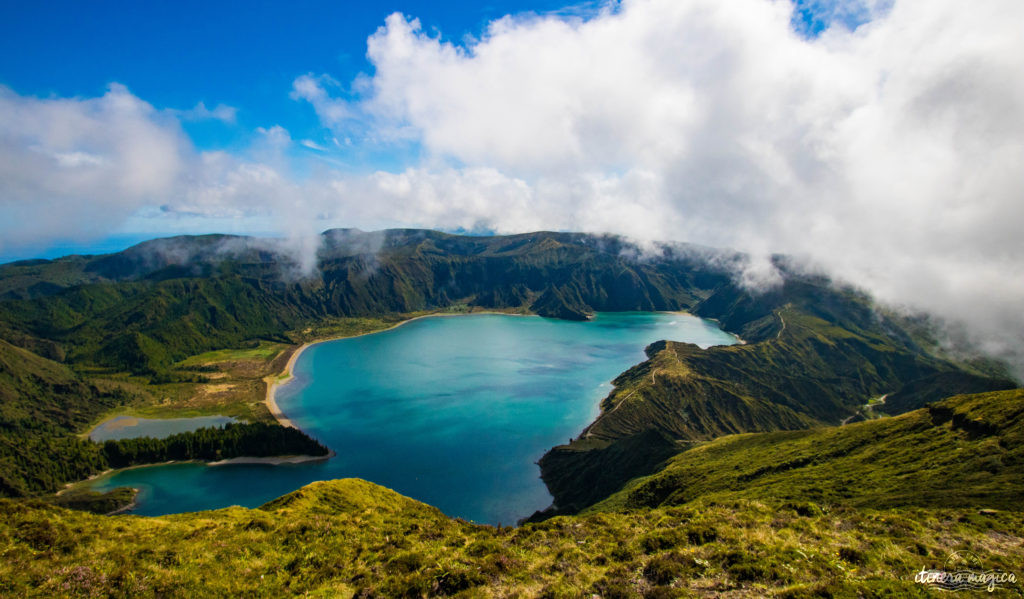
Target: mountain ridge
{"x":814,"y":353}
{"x":799,"y":371}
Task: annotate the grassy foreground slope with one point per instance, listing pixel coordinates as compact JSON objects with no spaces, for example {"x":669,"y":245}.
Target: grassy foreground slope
{"x":743,"y":516}
{"x":351,"y":539}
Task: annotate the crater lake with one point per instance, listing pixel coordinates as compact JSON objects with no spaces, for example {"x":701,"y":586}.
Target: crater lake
{"x":452,"y":411}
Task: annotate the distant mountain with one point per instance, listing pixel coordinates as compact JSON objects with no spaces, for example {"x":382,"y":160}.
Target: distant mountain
{"x":166,"y":299}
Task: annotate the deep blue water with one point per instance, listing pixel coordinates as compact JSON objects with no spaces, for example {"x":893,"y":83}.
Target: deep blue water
{"x":129,"y":427}
{"x":452,"y":411}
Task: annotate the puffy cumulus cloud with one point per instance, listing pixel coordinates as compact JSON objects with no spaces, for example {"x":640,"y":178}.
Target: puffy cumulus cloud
{"x":483,"y":198}
{"x":71,"y":166}
{"x":78,"y":168}
{"x":889,"y":152}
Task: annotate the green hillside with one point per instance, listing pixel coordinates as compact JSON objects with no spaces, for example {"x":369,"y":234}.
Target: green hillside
{"x":165,"y":300}
{"x":816,"y":355}
{"x":850,"y":511}
{"x":41,"y":404}
{"x":963,"y":452}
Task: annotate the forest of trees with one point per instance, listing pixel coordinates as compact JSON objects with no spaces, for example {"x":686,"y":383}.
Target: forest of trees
{"x":232,"y":441}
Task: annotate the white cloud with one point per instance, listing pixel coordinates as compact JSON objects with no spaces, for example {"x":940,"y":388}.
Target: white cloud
{"x":79,"y":168}
{"x":333,"y":112}
{"x":890,"y":153}
{"x":200,"y":112}
{"x":312,"y":145}
{"x":70,"y":167}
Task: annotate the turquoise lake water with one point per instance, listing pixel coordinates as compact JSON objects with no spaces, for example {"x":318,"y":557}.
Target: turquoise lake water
{"x":452,"y":411}
{"x":130,"y":427}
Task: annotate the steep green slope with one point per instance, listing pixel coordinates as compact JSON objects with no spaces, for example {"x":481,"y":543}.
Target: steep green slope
{"x":143,"y":327}
{"x":350,"y":538}
{"x":962,"y":452}
{"x":819,"y":353}
{"x":922,"y":391}
{"x":41,"y":404}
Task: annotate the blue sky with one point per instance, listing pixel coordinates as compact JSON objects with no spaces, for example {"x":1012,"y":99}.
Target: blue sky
{"x":239,"y":54}
{"x":242,"y":55}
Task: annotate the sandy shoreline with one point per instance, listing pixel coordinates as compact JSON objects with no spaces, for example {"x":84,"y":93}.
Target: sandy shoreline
{"x":284,"y":377}
{"x":73,"y":484}
{"x":275,"y":460}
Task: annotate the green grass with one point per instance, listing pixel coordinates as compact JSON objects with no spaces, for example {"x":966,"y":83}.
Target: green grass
{"x":966,"y":451}
{"x":264,"y":350}
{"x":352,"y":538}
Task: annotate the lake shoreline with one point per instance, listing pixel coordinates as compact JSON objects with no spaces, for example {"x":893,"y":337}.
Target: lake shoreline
{"x":268,"y":460}
{"x":274,"y":460}
{"x":128,"y":506}
{"x":285,"y":376}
